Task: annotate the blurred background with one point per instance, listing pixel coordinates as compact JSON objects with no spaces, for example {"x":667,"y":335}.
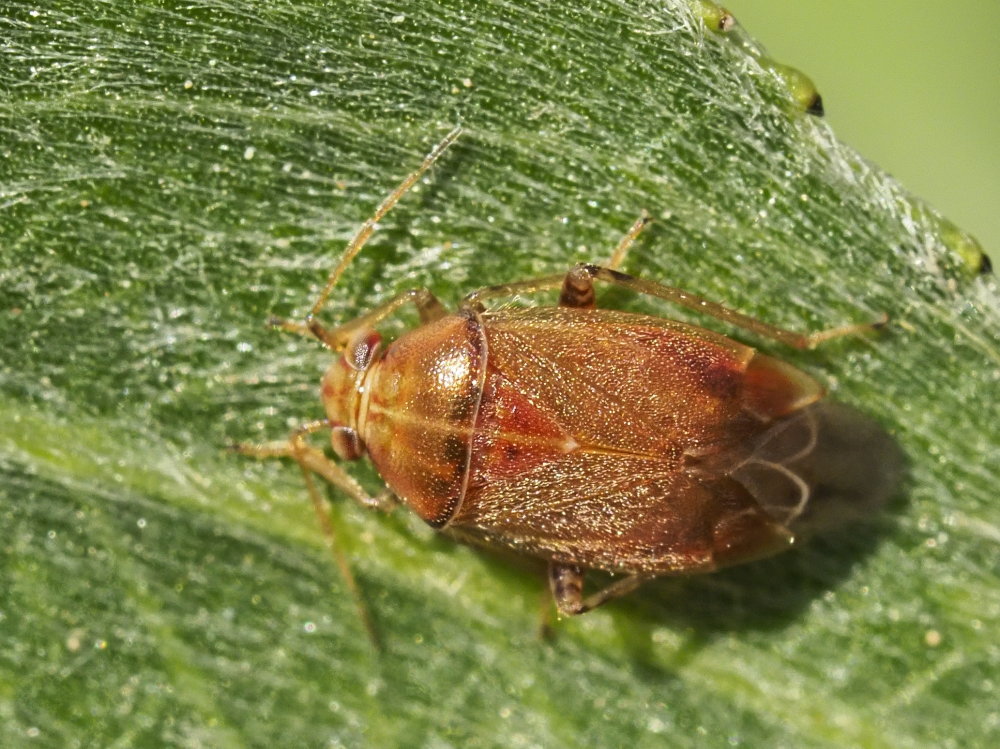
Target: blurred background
{"x":913,"y":85}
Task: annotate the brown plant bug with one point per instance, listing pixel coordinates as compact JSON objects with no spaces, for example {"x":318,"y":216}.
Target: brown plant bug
{"x":592,"y":439}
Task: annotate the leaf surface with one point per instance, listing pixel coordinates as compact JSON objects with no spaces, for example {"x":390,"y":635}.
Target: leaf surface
{"x":172,"y":174}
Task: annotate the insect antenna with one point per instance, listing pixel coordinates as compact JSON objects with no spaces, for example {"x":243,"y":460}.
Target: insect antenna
{"x":368,"y":228}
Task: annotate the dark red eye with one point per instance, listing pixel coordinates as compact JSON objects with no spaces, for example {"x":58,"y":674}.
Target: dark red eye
{"x":361,"y":349}
{"x":346,"y":443}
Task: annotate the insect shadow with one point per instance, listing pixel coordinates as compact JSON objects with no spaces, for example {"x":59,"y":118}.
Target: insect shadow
{"x":856,"y":474}
{"x":855,"y":469}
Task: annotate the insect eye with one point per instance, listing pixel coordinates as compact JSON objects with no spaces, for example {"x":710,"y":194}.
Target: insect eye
{"x":361,"y":349}
{"x":346,"y":443}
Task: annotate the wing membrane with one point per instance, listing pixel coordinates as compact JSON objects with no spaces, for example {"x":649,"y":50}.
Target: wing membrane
{"x":604,"y":439}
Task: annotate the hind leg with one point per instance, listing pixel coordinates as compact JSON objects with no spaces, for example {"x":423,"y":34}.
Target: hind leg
{"x":566,"y":584}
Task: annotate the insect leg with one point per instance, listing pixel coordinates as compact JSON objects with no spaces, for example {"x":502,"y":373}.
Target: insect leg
{"x":368,"y":228}
{"x":618,"y":256}
{"x":577,"y":289}
{"x":339,"y":558}
{"x":578,"y":285}
{"x":315,"y":461}
{"x":476,"y":300}
{"x":718,"y":311}
{"x":566,"y":584}
{"x":311,"y":461}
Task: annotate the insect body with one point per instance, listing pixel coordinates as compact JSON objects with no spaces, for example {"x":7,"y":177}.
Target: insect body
{"x":589,"y":438}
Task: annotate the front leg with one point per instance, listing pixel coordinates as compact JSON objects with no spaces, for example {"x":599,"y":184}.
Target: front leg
{"x":312,"y":460}
{"x":566,"y":584}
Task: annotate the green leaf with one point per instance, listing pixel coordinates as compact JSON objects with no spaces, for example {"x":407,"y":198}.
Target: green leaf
{"x":172,"y":174}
